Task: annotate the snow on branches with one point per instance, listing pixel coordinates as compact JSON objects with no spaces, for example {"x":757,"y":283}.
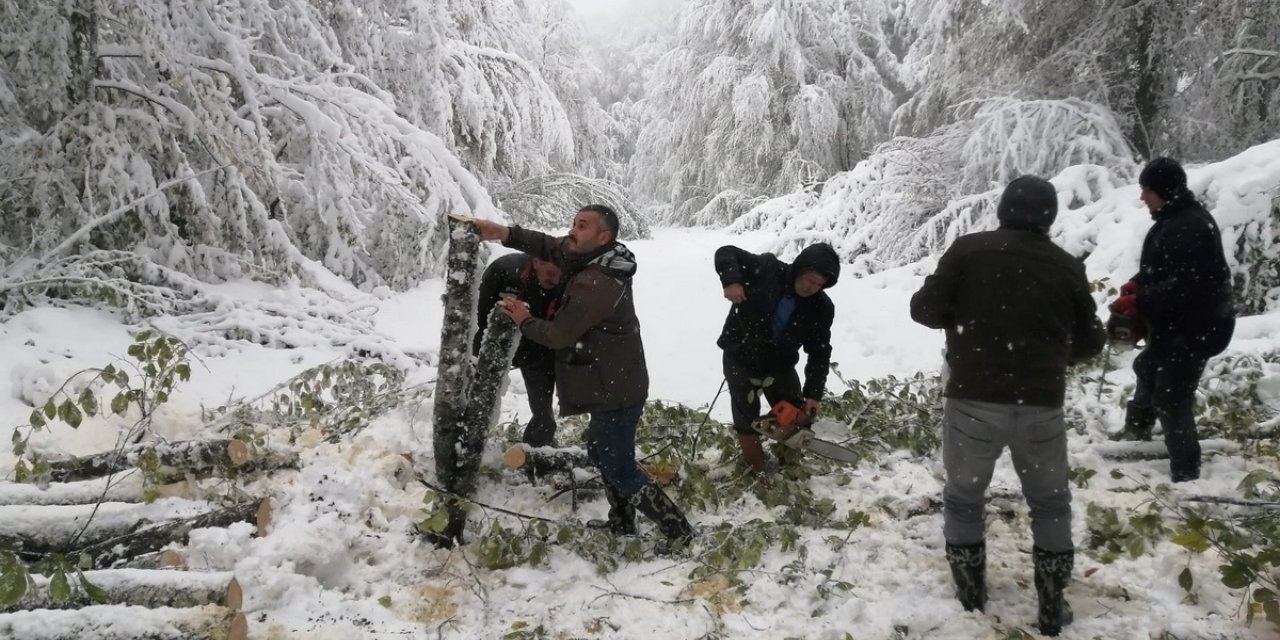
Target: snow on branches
{"x":273,"y":141}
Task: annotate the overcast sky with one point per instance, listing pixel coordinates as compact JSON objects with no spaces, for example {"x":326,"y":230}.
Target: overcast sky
{"x":591,"y":9}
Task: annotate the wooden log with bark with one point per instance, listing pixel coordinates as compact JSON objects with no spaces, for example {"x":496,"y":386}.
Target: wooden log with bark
{"x":122,"y":540}
{"x":466,"y":401}
{"x":1155,"y":450}
{"x":122,"y":488}
{"x":523,"y":456}
{"x":142,"y":588}
{"x":176,"y":460}
{"x":115,"y":622}
{"x":462,"y":265}
{"x":156,"y":536}
{"x":541,"y":460}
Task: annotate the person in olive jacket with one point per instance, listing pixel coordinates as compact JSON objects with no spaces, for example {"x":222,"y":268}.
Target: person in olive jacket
{"x":778,"y":308}
{"x":537,"y":283}
{"x":1017,"y":311}
{"x":600,"y":363}
{"x":1182,"y":293}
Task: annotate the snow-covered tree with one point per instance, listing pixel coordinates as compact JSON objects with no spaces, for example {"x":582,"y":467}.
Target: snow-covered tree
{"x":148,"y":143}
{"x":913,"y":196}
{"x":758,"y":98}
{"x":1190,"y":78}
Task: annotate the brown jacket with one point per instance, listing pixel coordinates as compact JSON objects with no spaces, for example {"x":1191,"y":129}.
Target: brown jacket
{"x":595,"y":333}
{"x":1017,"y":311}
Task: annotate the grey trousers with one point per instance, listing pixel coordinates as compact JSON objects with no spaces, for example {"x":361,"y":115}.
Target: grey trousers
{"x":974,"y":434}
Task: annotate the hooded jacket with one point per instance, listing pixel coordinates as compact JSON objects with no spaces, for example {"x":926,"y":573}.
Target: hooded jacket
{"x":599,"y":356}
{"x":748,"y":330}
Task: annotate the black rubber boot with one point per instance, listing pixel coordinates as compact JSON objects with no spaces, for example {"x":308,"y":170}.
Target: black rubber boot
{"x":1138,"y":423}
{"x":622,"y":515}
{"x":658,"y":506}
{"x":1052,"y":575}
{"x":969,"y":570}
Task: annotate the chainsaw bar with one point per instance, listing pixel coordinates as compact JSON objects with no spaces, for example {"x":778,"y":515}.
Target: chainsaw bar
{"x":831,"y":450}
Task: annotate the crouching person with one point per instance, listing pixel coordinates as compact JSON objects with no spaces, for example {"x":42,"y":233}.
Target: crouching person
{"x":778,"y":308}
{"x":599,"y":357}
{"x":1017,"y":310}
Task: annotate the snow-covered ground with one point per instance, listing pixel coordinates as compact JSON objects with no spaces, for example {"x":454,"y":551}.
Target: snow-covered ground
{"x":339,"y":561}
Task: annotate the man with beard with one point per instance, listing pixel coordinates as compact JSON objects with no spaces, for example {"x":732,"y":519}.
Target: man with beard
{"x":600,"y":363}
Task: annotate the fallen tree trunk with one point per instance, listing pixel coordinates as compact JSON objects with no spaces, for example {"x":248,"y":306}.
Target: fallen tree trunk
{"x":541,"y":460}
{"x":118,"y":621}
{"x":455,"y":369}
{"x":123,"y":488}
{"x":176,"y":459}
{"x":1154,"y":450}
{"x":127,"y":487}
{"x":155,"y":536}
{"x":522,"y":456}
{"x":167,"y":559}
{"x":142,"y":588}
{"x":62,"y":529}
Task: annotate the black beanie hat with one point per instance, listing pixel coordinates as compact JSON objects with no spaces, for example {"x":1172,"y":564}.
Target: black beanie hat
{"x":1029,"y":203}
{"x":1164,"y":177}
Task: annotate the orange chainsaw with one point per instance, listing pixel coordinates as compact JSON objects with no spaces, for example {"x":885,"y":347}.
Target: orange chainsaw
{"x":793,"y":427}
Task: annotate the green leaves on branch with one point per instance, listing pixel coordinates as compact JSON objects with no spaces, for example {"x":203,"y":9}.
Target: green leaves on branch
{"x":14,"y":579}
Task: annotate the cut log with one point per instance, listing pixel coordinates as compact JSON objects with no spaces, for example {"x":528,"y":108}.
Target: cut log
{"x":122,"y":488}
{"x":155,"y":536}
{"x":62,"y":529}
{"x":116,"y":622}
{"x":167,"y":559}
{"x":560,"y":458}
{"x":462,"y":266}
{"x":196,"y":457}
{"x":142,"y":588}
{"x":263,"y":516}
{"x":544,"y":459}
{"x":1137,"y":451}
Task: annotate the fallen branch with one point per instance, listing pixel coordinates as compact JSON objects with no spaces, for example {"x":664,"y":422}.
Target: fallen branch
{"x":119,"y":621}
{"x":197,"y":457}
{"x":143,"y":588}
{"x":546,"y":458}
{"x":1140,"y":451}
{"x":123,"y":488}
{"x":156,"y":536}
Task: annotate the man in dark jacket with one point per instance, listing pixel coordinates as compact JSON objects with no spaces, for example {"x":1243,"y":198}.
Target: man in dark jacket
{"x":1183,"y":295}
{"x":778,"y":308}
{"x":599,"y":357}
{"x":1017,"y":310}
{"x":535,"y":282}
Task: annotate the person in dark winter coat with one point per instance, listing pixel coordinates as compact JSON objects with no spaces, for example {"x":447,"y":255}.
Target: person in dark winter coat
{"x":778,"y":309}
{"x":1017,"y":311}
{"x":535,"y":282}
{"x":1182,"y":293}
{"x":599,"y":357}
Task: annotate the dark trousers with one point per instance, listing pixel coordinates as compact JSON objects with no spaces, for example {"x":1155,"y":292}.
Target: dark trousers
{"x":540,"y":384}
{"x":611,"y":446}
{"x":745,"y":405}
{"x":1167,"y":381}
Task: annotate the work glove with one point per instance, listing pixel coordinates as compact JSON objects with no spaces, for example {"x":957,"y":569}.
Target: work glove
{"x":1125,"y":305}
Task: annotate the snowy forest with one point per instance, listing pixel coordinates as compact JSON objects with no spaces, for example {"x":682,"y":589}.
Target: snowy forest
{"x":224,"y":240}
